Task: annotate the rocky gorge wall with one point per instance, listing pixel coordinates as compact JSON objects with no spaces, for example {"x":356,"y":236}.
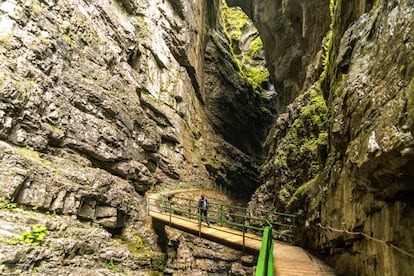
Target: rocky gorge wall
{"x":102,"y":101}
{"x":369,"y":172}
{"x":344,"y":160}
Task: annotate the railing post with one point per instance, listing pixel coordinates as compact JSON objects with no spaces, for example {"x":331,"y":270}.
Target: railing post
{"x":199,"y":221}
{"x":221,"y":215}
{"x":244,"y":235}
{"x":265,"y":261}
{"x":170,"y":211}
{"x":294,"y":229}
{"x":189,"y":207}
{"x":148,"y":205}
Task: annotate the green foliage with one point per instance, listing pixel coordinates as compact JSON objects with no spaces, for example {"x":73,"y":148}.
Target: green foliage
{"x":256,"y":76}
{"x":30,"y":152}
{"x":158,"y":262}
{"x":135,"y":245}
{"x":255,"y":47}
{"x":7,"y":206}
{"x":297,"y":154}
{"x":234,"y":20}
{"x":307,"y":133}
{"x":35,"y":236}
{"x":51,"y":214}
{"x":328,"y":41}
{"x":111,"y":265}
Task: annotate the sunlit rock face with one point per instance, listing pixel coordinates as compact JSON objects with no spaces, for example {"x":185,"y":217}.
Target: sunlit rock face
{"x":100,"y":102}
{"x":105,"y":87}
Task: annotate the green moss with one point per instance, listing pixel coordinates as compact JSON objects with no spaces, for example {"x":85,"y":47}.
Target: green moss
{"x":299,"y":194}
{"x":142,"y":29}
{"x":30,"y":152}
{"x":280,"y":160}
{"x":54,"y":128}
{"x":256,"y":76}
{"x":136,"y":244}
{"x":254,"y":50}
{"x":234,"y":20}
{"x":7,"y":206}
{"x":328,"y":41}
{"x":215,"y":163}
{"x":299,"y":191}
{"x":308,"y":132}
{"x":157,"y":262}
{"x":140,"y":246}
{"x":403,"y":70}
{"x":111,"y":265}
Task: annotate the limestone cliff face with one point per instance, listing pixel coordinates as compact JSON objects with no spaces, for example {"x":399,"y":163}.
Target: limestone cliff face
{"x":100,"y":102}
{"x":370,"y":170}
{"x":292,"y":33}
{"x":363,"y":177}
{"x":101,"y":86}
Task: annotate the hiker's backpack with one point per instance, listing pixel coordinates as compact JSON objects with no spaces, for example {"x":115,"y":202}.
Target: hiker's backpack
{"x":204,"y":203}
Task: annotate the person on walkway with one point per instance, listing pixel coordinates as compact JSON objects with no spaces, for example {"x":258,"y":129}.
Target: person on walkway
{"x":202,"y":209}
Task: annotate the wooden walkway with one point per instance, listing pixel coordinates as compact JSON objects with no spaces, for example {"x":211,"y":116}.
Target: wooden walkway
{"x":288,"y":260}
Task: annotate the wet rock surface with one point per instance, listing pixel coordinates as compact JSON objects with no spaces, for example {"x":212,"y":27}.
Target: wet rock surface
{"x":370,"y":170}
{"x":361,"y":181}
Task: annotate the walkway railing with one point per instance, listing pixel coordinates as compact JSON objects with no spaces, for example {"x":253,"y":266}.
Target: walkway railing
{"x":265,"y":261}
{"x":224,"y":215}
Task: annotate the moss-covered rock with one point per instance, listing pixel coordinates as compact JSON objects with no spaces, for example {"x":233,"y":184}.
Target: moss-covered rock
{"x":297,"y":152}
{"x":246,"y":47}
{"x":366,"y":177}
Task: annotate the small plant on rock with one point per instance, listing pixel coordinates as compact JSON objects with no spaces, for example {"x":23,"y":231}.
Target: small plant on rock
{"x":35,"y":236}
{"x":111,"y":265}
{"x":7,"y":206}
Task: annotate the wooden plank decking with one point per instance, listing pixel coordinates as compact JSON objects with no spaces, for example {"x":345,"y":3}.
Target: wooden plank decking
{"x":288,"y":260}
{"x":222,"y":235}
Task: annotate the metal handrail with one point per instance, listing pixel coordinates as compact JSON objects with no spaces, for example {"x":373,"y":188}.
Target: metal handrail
{"x":218,"y":213}
{"x":221,"y":214}
{"x":265,"y":261}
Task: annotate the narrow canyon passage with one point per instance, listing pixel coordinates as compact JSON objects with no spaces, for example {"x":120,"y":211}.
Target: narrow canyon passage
{"x":297,"y":107}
